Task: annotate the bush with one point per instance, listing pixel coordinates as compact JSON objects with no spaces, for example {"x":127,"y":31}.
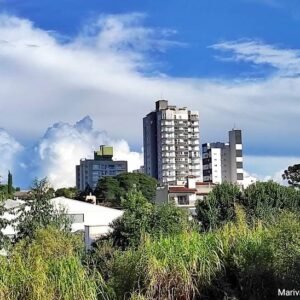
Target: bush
{"x":48,"y":267}
{"x":218,"y":207}
{"x":142,"y":217}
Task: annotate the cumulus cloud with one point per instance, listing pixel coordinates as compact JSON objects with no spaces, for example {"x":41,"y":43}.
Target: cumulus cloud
{"x":64,"y":144}
{"x":9,"y":150}
{"x":107,"y":72}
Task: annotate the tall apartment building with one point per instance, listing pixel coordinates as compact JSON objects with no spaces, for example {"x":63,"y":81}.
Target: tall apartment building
{"x":89,"y":171}
{"x":171,"y":143}
{"x":224,"y":161}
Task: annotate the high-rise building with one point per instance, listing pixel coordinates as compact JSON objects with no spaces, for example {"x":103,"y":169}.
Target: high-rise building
{"x":171,"y":143}
{"x":89,"y":171}
{"x":224,"y":161}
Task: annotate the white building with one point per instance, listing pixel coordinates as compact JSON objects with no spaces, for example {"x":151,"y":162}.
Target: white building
{"x":92,"y":219}
{"x":184,"y":196}
{"x":171,"y":143}
{"x":224,"y":161}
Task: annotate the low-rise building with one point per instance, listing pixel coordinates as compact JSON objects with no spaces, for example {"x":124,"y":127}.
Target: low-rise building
{"x":183,"y":195}
{"x":93,"y":220}
{"x":89,"y":171}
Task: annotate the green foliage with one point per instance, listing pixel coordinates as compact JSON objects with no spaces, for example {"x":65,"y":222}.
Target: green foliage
{"x":264,"y":200}
{"x":111,"y":190}
{"x":292,"y":175}
{"x":237,"y":261}
{"x":48,"y":267}
{"x":261,"y":201}
{"x":142,"y":217}
{"x":108,"y":191}
{"x":70,"y":192}
{"x":9,"y":184}
{"x":128,"y":229}
{"x":3,"y":223}
{"x":167,"y":219}
{"x":3,"y":192}
{"x":39,"y":212}
{"x":218,"y":207}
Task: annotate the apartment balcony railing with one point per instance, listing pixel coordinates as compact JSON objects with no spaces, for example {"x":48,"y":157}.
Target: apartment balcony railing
{"x":195,"y":162}
{"x":167,"y":130}
{"x":170,"y":155}
{"x":194,"y":117}
{"x":167,"y":136}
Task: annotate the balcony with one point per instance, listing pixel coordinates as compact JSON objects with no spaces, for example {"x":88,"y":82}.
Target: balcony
{"x":167,"y":136}
{"x":195,"y":162}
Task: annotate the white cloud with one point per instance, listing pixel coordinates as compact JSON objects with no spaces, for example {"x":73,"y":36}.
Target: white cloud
{"x":9,"y":149}
{"x":62,"y":147}
{"x":286,"y":61}
{"x":107,"y":73}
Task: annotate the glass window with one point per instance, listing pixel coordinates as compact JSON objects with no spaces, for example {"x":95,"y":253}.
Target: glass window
{"x":183,"y":200}
{"x":76,"y":218}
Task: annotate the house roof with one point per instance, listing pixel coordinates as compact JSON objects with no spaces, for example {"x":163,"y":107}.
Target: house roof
{"x":181,"y":189}
{"x":94,"y":214}
{"x":205,"y":183}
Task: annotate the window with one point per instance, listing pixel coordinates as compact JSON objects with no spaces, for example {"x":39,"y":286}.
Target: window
{"x":76,"y":218}
{"x":183,"y":200}
{"x":239,"y":165}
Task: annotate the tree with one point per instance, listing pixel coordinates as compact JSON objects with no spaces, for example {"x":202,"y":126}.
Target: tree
{"x":264,"y":200}
{"x":128,"y":229}
{"x":9,"y":184}
{"x":70,"y":192}
{"x":142,"y":217}
{"x":39,"y":212}
{"x":108,"y":191}
{"x":144,"y":183}
{"x":111,"y":190}
{"x":218,"y":207}
{"x":3,"y":223}
{"x":167,"y":219}
{"x":292,"y":175}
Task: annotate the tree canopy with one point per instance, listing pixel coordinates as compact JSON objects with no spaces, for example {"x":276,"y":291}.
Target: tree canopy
{"x":219,"y":206}
{"x":111,"y":190}
{"x":263,"y":201}
{"x":292,"y":175}
{"x":38,"y":212}
{"x":70,"y":192}
{"x":142,"y":217}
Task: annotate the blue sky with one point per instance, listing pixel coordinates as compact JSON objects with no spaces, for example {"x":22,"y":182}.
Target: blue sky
{"x":236,"y":61}
{"x":198,"y":24}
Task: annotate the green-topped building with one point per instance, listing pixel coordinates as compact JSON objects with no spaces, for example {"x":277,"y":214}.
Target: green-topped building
{"x":89,"y":171}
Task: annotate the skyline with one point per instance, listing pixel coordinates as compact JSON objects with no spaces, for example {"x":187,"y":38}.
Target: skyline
{"x":112,"y":61}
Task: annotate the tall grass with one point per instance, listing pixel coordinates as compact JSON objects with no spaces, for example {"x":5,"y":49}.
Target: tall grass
{"x":168,"y":267}
{"x":48,"y":268}
{"x":238,"y":261}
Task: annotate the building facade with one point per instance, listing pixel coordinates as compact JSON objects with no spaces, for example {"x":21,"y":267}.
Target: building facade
{"x":89,"y":171}
{"x":224,"y":161}
{"x":184,"y":196}
{"x":171,"y":143}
